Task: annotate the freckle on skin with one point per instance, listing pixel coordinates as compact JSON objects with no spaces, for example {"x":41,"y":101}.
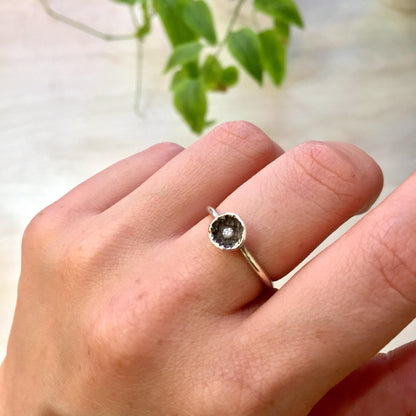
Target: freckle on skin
{"x":320,"y":335}
{"x":140,"y":296}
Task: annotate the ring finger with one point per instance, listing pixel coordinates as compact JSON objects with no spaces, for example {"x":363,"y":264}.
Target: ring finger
{"x":288,"y":207}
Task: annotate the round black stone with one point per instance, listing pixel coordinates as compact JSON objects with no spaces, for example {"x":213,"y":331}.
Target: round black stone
{"x":217,"y":232}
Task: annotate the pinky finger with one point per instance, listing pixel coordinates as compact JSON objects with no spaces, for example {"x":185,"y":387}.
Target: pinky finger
{"x":107,"y":187}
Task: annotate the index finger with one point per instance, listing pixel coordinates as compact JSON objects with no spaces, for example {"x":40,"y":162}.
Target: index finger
{"x":341,"y":308}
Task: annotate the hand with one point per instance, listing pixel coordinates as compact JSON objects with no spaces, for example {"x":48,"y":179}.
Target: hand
{"x":126,"y":308}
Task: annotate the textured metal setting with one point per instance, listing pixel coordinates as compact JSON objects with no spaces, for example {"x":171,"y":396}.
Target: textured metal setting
{"x":227,"y":231}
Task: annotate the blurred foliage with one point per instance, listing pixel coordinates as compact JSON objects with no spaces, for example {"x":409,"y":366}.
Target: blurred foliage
{"x":194,"y":62}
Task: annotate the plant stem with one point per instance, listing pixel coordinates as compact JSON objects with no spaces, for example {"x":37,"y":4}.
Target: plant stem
{"x":139,"y":78}
{"x":231,"y":24}
{"x":82,"y":26}
{"x":134,"y":18}
{"x":139,"y":64}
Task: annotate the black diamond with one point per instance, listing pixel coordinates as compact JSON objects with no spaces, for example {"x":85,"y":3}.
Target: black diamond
{"x":227,"y":240}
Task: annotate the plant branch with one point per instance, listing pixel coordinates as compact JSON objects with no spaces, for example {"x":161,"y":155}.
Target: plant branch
{"x":139,"y":63}
{"x":231,"y":24}
{"x":133,"y":17}
{"x":139,"y":78}
{"x":82,"y":26}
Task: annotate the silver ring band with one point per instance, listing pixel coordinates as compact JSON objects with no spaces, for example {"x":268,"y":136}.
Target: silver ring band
{"x":228,"y":232}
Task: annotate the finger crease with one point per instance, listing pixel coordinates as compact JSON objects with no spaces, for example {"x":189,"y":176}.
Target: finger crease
{"x":386,"y":277}
{"x":320,"y":181}
{"x":234,"y":148}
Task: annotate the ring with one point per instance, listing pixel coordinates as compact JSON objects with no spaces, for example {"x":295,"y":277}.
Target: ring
{"x":228,"y":232}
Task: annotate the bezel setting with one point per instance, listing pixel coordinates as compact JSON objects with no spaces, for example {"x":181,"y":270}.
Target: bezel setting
{"x":220,"y":234}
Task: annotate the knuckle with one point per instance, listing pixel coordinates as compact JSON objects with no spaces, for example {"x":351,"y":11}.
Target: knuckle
{"x":243,"y":399}
{"x":109,"y":341}
{"x":240,"y":378}
{"x":330,"y":171}
{"x":41,"y":230}
{"x":79,"y":257}
{"x":66,"y":249}
{"x":393,"y":256}
{"x":246,"y":139}
{"x":118,"y":336}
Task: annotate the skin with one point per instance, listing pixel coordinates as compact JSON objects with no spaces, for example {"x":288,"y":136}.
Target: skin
{"x":126,"y":308}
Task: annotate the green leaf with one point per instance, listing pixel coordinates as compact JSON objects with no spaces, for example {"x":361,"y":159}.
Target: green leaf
{"x":215,"y":77}
{"x":209,"y":123}
{"x":211,"y":72}
{"x":282,"y":30}
{"x":244,"y":46}
{"x":145,"y":28}
{"x":191,"y":102}
{"x":198,"y":17}
{"x":285,"y":10}
{"x":229,"y":76}
{"x":273,"y":55}
{"x":183,"y":54}
{"x":179,"y":76}
{"x":170,"y":13}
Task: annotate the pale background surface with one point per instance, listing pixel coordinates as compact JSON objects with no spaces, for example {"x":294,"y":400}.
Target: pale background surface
{"x":66,"y":102}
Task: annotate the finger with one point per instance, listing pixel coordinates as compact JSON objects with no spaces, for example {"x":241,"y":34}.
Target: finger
{"x":384,"y":386}
{"x":176,"y":197}
{"x":104,"y":189}
{"x":289,"y":208}
{"x":343,"y":306}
